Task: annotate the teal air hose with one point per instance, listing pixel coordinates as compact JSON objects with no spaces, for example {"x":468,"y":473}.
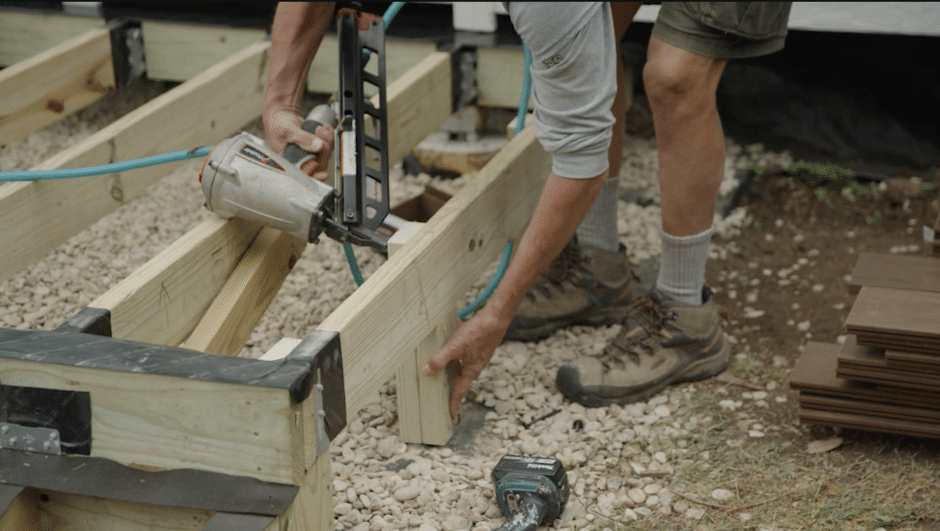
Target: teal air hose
{"x":72,"y":173}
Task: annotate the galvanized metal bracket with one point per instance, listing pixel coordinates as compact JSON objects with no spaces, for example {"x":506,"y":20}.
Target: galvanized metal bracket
{"x":28,"y":439}
{"x":127,"y":51}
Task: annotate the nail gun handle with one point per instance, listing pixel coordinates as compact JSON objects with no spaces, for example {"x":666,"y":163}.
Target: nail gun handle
{"x":321,"y":114}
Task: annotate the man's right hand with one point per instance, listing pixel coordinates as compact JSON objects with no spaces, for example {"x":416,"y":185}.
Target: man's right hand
{"x":283,"y":126}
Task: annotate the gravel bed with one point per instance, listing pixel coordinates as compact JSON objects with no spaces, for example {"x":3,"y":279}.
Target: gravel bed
{"x":620,"y":460}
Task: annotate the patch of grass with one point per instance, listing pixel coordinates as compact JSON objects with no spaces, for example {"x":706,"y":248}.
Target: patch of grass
{"x":865,"y":484}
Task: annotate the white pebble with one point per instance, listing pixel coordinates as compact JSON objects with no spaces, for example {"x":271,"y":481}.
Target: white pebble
{"x":722,"y":495}
{"x":637,"y":495}
{"x":408,"y":492}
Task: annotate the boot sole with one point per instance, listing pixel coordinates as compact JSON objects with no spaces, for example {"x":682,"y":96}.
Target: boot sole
{"x":695,"y":371}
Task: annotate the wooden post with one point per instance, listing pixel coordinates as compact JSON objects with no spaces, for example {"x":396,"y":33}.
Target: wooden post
{"x":423,"y":415}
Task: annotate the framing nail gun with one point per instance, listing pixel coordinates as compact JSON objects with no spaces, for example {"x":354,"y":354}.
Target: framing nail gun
{"x":243,"y":178}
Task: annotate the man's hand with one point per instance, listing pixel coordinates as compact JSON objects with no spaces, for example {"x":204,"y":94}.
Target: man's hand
{"x":472,"y":345}
{"x":283,"y":127}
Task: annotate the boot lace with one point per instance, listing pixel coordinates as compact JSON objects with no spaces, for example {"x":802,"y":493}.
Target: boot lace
{"x":564,"y":268}
{"x":649,"y":321}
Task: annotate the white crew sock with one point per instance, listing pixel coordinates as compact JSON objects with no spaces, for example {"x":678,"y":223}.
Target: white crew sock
{"x":682,"y":266}
{"x":599,"y":226}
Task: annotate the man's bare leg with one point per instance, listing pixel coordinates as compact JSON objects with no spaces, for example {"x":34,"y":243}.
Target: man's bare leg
{"x":681,"y":88}
{"x":599,"y":227}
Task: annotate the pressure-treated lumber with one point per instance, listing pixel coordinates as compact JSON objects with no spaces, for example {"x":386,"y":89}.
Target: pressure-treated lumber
{"x":175,"y":422}
{"x":39,"y":216}
{"x":418,"y":103}
{"x":53,"y":511}
{"x":163,"y":300}
{"x":422,"y":402}
{"x":499,"y":77}
{"x":246,"y":295}
{"x":312,"y":510}
{"x":423,"y":413}
{"x":177,"y":52}
{"x":400,"y":304}
{"x":400,"y":57}
{"x":24,"y":34}
{"x":20,"y":515}
{"x":54,"y":84}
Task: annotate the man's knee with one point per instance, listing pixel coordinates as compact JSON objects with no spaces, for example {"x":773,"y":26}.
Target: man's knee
{"x":673,"y":76}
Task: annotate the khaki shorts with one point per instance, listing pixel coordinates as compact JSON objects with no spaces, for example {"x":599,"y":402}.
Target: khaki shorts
{"x":723,"y":30}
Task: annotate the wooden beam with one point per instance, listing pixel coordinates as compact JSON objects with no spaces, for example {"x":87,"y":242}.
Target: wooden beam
{"x":163,"y":300}
{"x":499,"y":77}
{"x":177,"y":52}
{"x":38,"y":216}
{"x":247,"y":294}
{"x":54,"y":84}
{"x":418,"y":103}
{"x":70,"y":511}
{"x":24,"y":34}
{"x":400,"y":57}
{"x":137,"y":419}
{"x":384,"y":320}
{"x":22,"y":514}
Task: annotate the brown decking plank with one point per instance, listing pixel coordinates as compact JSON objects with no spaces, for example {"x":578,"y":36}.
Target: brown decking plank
{"x":867,"y":407}
{"x":893,"y":313}
{"x":896,"y":357}
{"x":815,"y":372}
{"x":911,"y":272}
{"x":853,"y":355}
{"x":899,"y":343}
{"x":906,"y":380}
{"x":862,"y":422}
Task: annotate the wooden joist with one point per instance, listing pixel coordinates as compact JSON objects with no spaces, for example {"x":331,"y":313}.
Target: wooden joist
{"x":400,"y":57}
{"x":24,"y":34}
{"x":246,"y":295}
{"x":386,"y":319}
{"x":39,"y":216}
{"x":54,"y":84}
{"x":163,"y":300}
{"x":178,"y":52}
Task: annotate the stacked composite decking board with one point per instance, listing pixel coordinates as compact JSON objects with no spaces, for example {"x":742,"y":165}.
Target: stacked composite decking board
{"x":886,"y":375}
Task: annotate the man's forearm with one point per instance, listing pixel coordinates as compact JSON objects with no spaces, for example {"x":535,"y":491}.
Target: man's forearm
{"x":563,"y":204}
{"x":296,"y":33}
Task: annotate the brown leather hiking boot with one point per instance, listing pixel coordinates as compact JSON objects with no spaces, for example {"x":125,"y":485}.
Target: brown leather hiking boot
{"x":583,"y":286}
{"x":661,"y":343}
